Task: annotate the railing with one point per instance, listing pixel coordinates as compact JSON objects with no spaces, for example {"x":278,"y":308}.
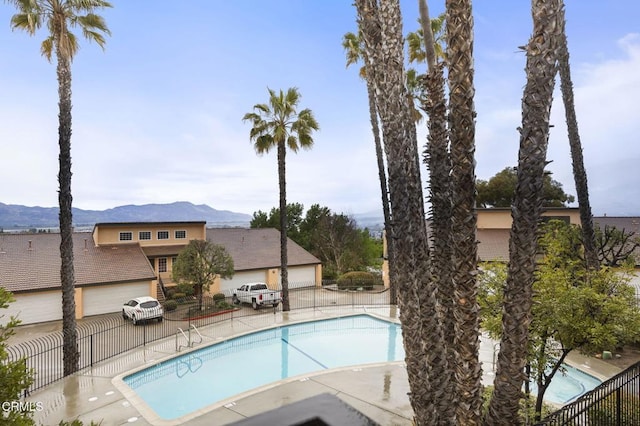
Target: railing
{"x":187,"y":337}
{"x":615,"y":402}
{"x":107,"y":337}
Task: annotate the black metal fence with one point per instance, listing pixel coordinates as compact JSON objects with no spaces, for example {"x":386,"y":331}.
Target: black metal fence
{"x":615,"y":402}
{"x":113,"y":335}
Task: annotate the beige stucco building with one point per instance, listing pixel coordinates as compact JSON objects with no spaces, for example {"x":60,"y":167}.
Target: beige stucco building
{"x":120,"y":261}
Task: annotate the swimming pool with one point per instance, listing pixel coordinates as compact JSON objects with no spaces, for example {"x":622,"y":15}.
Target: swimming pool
{"x":179,"y":386}
{"x":213,"y":375}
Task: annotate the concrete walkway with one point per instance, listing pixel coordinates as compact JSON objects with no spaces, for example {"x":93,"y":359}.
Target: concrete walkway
{"x":378,"y":391}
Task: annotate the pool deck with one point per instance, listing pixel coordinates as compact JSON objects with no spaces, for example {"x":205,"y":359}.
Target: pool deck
{"x":378,"y":391}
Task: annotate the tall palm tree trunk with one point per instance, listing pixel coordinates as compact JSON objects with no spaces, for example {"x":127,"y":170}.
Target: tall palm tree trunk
{"x":425,"y":356}
{"x":579,"y":172}
{"x":282,"y":182}
{"x":382,"y":176}
{"x":459,"y":30}
{"x":541,"y":68}
{"x":67,"y":275}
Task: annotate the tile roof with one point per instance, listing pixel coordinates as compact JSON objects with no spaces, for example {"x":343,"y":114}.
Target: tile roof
{"x":31,"y":262}
{"x":258,"y":248}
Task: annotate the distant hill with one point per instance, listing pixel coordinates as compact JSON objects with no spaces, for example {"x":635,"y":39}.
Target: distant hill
{"x":23,"y":217}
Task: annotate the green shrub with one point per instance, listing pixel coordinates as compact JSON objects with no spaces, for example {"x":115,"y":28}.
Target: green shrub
{"x":218,"y":296}
{"x":185,"y":288}
{"x":170,"y":305}
{"x":356,"y":279}
{"x":178,"y":296}
{"x":222,"y":304}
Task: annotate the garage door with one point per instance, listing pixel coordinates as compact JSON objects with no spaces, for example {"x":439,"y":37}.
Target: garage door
{"x":302,"y":276}
{"x":228,"y":285}
{"x":110,"y":298}
{"x":32,"y":308}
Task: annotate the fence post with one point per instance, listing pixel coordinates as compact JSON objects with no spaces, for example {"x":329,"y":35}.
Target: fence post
{"x":144,"y":333}
{"x":618,"y":407}
{"x":91,"y":348}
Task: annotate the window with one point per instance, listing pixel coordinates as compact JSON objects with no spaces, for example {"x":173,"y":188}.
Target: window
{"x":126,"y":236}
{"x":144,"y":235}
{"x":163,"y":235}
{"x":181,"y":235}
{"x":174,"y":260}
{"x":162,"y":264}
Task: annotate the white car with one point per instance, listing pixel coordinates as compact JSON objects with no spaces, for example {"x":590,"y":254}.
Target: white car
{"x":142,"y":308}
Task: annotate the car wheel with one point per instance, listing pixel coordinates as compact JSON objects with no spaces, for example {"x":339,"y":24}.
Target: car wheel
{"x":254,"y":304}
{"x":275,"y":305}
{"x":135,"y":321}
{"x":235,"y":300}
{"x":159,"y":319}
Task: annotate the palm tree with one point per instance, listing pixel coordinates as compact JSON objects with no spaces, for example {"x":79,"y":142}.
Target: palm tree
{"x":526,"y":210}
{"x":354,"y":49}
{"x":279,"y":124}
{"x":459,"y":30}
{"x":59,"y":16}
{"x":579,"y":173}
{"x":422,"y":335}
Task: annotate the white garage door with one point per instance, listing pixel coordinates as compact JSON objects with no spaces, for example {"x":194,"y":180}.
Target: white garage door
{"x":32,"y":308}
{"x":302,"y":276}
{"x":227,"y":286}
{"x":110,"y":298}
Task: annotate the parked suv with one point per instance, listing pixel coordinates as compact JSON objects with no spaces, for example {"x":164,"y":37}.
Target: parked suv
{"x":142,"y":308}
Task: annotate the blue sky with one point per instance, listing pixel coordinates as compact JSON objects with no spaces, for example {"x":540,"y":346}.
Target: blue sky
{"x":157,"y":115}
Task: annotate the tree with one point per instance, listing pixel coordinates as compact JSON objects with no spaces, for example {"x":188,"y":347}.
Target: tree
{"x":15,"y":378}
{"x":526,"y":211}
{"x":499,"y":190}
{"x":60,"y":16}
{"x":355,"y":50}
{"x":577,"y":159}
{"x":575,"y":308}
{"x":459,"y":30}
{"x":616,"y":247}
{"x":279,"y":124}
{"x":200,"y":263}
{"x":380,"y":25}
{"x":338,"y":242}
{"x":272,"y":220}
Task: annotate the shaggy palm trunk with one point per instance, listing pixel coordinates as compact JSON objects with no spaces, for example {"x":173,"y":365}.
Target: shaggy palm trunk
{"x":282,"y":182}
{"x":382,"y":176}
{"x":439,"y":164}
{"x":70,"y":352}
{"x":579,"y":172}
{"x":459,"y":28}
{"x":425,"y":355}
{"x":541,"y":68}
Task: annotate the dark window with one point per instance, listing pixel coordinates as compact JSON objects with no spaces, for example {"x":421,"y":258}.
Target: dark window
{"x":162,"y":264}
{"x":149,"y":304}
{"x":163,"y":235}
{"x":181,"y":235}
{"x":126,"y":236}
{"x":144,"y":235}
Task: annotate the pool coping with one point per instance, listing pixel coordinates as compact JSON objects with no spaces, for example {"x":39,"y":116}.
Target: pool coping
{"x":152,"y":417}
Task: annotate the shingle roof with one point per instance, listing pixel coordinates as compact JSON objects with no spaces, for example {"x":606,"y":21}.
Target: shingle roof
{"x":31,"y":262}
{"x":258,"y":248}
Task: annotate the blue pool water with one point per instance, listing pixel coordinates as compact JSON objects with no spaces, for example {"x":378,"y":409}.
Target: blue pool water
{"x":190,"y":382}
{"x":187,"y":383}
{"x":568,"y":385}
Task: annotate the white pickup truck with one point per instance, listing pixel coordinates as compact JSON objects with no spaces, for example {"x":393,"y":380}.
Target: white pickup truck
{"x":258,"y":294}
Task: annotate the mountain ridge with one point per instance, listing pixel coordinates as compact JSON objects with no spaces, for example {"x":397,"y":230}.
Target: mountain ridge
{"x":14,"y":216}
